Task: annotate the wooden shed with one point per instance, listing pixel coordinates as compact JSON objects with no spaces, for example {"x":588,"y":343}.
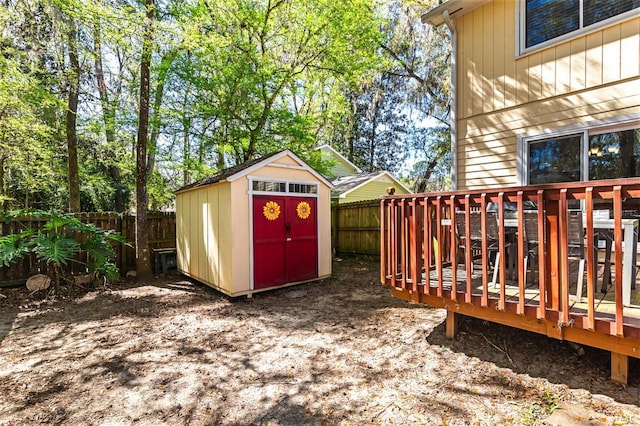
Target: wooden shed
{"x":256,"y":226}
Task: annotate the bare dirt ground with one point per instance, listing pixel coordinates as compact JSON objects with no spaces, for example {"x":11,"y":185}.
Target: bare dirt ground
{"x":338,"y":351}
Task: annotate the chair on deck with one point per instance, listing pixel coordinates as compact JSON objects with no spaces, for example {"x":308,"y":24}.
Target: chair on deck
{"x":575,"y":247}
{"x":532,"y":241}
{"x":476,"y":237}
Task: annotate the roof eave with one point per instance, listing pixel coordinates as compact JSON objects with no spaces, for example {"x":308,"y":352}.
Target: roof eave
{"x":455,"y":8}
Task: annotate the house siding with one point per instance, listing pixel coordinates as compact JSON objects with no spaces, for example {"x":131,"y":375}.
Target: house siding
{"x":373,"y":190}
{"x":593,"y":77}
{"x":341,"y":168}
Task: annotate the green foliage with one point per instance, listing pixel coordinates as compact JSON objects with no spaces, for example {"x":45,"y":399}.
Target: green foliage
{"x":231,"y":80}
{"x":58,"y":240}
{"x":13,"y":247}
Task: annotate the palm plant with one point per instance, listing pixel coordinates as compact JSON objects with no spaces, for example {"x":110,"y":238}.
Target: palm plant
{"x":58,"y":241}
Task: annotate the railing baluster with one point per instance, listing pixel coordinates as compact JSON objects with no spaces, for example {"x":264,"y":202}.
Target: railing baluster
{"x":393,"y":242}
{"x":439,"y":245}
{"x":503,"y":253}
{"x":542,"y":264}
{"x":485,"y":258}
{"x":403,"y":247}
{"x":384,"y":230}
{"x":521,"y":254}
{"x":592,"y":263}
{"x":428,"y":243}
{"x":413,"y":243}
{"x":453,"y":246}
{"x":617,"y":235}
{"x":468,"y":256}
{"x":564,"y":257}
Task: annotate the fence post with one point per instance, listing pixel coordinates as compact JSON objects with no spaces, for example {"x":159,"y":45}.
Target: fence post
{"x":335,"y":228}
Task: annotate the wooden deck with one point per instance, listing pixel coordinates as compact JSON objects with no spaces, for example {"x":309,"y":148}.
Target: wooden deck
{"x":604,"y":305}
{"x":420,"y":234}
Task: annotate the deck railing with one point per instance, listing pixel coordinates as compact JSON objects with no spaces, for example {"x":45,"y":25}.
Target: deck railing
{"x":427,"y":257}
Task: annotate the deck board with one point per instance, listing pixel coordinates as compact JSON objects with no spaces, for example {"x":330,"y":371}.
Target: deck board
{"x":605,"y":307}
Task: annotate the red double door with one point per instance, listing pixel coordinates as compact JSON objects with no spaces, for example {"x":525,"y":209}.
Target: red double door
{"x":285,"y":240}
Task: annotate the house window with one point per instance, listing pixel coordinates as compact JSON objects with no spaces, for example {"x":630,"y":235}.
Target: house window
{"x":592,"y":154}
{"x":614,"y":154}
{"x":555,"y":160}
{"x":546,"y":20}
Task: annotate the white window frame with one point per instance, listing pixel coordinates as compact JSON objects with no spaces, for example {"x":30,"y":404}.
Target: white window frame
{"x":521,"y":28}
{"x":595,"y":128}
{"x":287,"y":182}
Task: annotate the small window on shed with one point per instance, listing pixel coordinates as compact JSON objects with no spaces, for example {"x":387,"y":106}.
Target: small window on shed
{"x":267,"y":186}
{"x":301,"y":188}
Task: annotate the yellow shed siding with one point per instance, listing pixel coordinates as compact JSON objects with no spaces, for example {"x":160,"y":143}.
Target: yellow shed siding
{"x":221,"y":268}
{"x":210,"y":235}
{"x":239,"y":233}
{"x":201,"y":229}
{"x":214,"y":233}
{"x":182,"y":247}
{"x":593,"y":77}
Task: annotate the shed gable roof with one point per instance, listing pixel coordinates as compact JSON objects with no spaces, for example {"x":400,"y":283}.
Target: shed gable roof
{"x":240,"y":170}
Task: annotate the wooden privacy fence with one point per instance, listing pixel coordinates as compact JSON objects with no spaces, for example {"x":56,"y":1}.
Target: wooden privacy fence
{"x":355,"y":228}
{"x":162,"y":234}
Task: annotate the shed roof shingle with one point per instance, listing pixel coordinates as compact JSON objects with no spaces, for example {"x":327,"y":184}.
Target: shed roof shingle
{"x":226,"y":173}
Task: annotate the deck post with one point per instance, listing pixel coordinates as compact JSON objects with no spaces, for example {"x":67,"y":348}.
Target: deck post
{"x":451,"y":326}
{"x":619,"y":366}
{"x":553,"y":255}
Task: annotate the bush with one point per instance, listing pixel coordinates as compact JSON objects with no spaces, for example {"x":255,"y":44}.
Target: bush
{"x":58,"y":241}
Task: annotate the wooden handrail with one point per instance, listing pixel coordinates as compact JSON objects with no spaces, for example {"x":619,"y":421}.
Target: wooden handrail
{"x":420,"y":253}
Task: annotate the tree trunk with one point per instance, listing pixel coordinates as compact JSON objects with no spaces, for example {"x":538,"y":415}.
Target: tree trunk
{"x":72,"y":111}
{"x":165,"y":64}
{"x":186,"y":151}
{"x":143,"y":261}
{"x":109,"y":118}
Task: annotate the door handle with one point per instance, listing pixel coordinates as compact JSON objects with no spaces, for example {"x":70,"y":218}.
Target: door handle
{"x":287,"y":227}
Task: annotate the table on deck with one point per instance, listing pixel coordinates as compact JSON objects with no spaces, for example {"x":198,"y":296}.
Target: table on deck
{"x":629,"y":247}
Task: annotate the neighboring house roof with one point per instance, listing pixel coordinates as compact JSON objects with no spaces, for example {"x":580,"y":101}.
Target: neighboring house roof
{"x":454,"y":8}
{"x":240,"y":170}
{"x":346,"y":184}
{"x":339,"y":158}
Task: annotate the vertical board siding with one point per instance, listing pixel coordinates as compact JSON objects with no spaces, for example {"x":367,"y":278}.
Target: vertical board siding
{"x":487,"y":62}
{"x":611,"y":54}
{"x":630,"y":45}
{"x":578,"y":58}
{"x":488,"y":80}
{"x":499,"y":55}
{"x":594,"y":59}
{"x":591,"y":77}
{"x":477,"y":95}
